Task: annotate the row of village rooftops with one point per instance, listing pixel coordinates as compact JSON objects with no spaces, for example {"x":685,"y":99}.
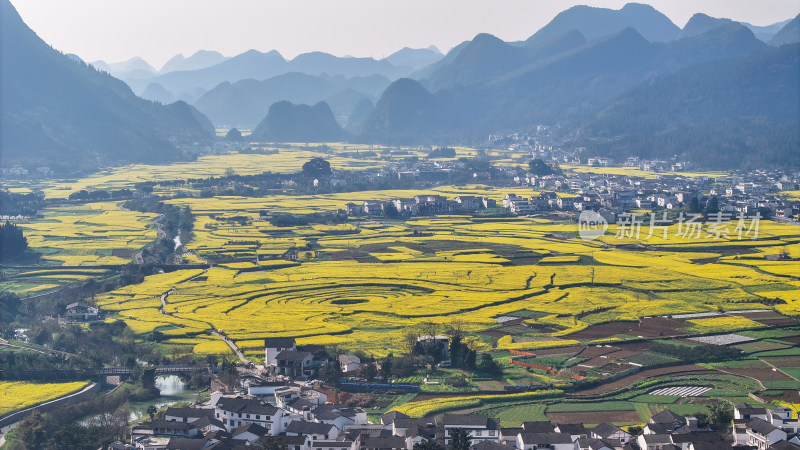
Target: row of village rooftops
{"x":610,"y":202}
{"x":301,"y":417}
{"x":282,"y":357}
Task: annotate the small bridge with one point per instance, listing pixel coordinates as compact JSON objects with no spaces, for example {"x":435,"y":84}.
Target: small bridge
{"x":160,"y":370}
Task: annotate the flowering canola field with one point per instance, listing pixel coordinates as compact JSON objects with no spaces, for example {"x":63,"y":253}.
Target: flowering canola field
{"x":363,"y":283}
{"x":15,"y":395}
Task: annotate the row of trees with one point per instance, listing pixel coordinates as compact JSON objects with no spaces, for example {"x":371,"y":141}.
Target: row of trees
{"x":13,"y":204}
{"x":13,"y":242}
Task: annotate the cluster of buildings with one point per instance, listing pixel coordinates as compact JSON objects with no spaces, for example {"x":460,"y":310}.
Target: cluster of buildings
{"x":300,"y":417}
{"x":608,"y":194}
{"x":283,"y":358}
{"x":763,"y":428}
{"x":421,"y":204}
{"x":283,"y":413}
{"x":16,"y":171}
{"x":617,"y":194}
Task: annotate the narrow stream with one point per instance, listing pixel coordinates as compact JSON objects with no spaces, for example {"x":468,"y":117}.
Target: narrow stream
{"x":172,"y":389}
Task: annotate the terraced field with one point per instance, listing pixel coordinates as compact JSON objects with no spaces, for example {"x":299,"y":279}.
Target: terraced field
{"x":363,"y":283}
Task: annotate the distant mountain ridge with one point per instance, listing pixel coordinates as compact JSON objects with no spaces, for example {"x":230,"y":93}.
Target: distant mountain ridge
{"x":199,"y":60}
{"x":244,"y":103}
{"x":415,"y":58}
{"x":593,"y":23}
{"x":789,"y":34}
{"x":569,"y":87}
{"x":62,"y":113}
{"x":257,"y":65}
{"x":615,"y":82}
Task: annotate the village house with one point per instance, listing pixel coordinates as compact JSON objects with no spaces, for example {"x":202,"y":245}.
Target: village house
{"x":273,"y":346}
{"x":81,"y":312}
{"x":477,"y":427}
{"x":606,"y":430}
{"x":349,"y":364}
{"x":550,"y":440}
{"x":236,"y":412}
{"x":295,"y":364}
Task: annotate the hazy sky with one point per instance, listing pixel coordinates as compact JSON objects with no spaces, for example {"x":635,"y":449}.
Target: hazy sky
{"x":116,"y":30}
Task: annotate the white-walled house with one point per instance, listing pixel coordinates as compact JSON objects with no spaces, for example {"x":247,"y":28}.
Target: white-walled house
{"x":349,"y":363}
{"x":478,"y":427}
{"x":273,"y":346}
{"x":237,"y":412}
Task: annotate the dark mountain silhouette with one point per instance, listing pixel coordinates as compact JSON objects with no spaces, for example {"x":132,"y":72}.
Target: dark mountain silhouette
{"x":406,"y":112}
{"x":726,"y":40}
{"x":566,"y":88}
{"x":199,"y":60}
{"x":244,"y":103}
{"x":482,"y":58}
{"x":486,"y":57}
{"x":426,"y":72}
{"x":288,"y":122}
{"x":736,"y":113}
{"x":414,"y":58}
{"x":593,"y":23}
{"x":560,"y":88}
{"x":61,"y":113}
{"x":789,"y":34}
{"x":701,"y":23}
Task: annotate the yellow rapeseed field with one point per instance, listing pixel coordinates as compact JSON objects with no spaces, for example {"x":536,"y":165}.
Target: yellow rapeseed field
{"x":15,"y":395}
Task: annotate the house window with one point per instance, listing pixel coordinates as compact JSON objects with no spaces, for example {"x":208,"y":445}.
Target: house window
{"x":248,"y":416}
{"x":491,"y":432}
{"x":258,"y":416}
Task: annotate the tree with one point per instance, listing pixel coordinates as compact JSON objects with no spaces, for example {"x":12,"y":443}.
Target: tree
{"x":369,"y":370}
{"x":635,"y":430}
{"x":539,"y":167}
{"x":316,"y":168}
{"x":390,"y":211}
{"x":233,"y":135}
{"x":145,"y":376}
{"x":459,"y":439}
{"x":442,"y":152}
{"x":489,"y":366}
{"x":461,"y":355}
{"x":712,"y":205}
{"x":428,"y":444}
{"x":13,"y":242}
{"x":720,"y":414}
{"x":386,"y":367}
{"x":9,"y":306}
{"x":332,"y":371}
{"x":271,"y":443}
{"x":694,"y":205}
{"x":151,"y":411}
